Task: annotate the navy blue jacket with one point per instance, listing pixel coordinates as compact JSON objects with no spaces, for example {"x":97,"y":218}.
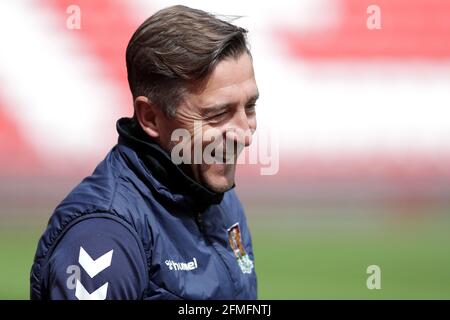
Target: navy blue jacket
{"x":139,"y":228}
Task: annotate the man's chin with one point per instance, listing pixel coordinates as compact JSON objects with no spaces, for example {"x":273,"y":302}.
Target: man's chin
{"x":219,"y":187}
{"x":219,"y":184}
{"x":218,"y":178}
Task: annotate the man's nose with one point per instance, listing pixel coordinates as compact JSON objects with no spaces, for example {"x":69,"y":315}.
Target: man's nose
{"x":240,"y":132}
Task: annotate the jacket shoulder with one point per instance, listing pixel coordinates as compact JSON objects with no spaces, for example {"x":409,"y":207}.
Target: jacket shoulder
{"x":98,"y":195}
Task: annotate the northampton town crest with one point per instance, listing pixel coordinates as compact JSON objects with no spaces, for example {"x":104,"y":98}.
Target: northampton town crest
{"x":243,"y":259}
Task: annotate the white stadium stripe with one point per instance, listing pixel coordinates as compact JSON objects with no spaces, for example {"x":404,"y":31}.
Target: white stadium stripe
{"x":53,"y":88}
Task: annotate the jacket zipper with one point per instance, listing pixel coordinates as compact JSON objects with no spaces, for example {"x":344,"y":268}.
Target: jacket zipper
{"x":199,"y":220}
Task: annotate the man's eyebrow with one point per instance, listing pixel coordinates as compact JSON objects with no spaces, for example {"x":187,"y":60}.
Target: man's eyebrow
{"x":253,"y":99}
{"x":216,"y":108}
{"x":222,"y":107}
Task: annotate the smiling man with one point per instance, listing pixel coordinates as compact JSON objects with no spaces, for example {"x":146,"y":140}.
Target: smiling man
{"x":146,"y":225}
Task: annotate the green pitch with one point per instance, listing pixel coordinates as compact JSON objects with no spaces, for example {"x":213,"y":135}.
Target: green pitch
{"x":303,"y":255}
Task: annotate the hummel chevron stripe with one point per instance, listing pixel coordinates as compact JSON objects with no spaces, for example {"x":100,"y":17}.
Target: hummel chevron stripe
{"x":82,"y":294}
{"x":94,"y":267}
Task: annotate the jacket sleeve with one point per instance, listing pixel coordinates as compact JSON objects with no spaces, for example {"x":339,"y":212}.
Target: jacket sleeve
{"x":96,"y":259}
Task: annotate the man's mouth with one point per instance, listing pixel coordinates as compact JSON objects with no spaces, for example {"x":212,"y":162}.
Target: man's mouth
{"x":224,"y":157}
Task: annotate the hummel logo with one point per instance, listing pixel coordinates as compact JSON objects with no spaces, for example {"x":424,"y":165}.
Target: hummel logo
{"x":92,"y":268}
{"x":182,"y":265}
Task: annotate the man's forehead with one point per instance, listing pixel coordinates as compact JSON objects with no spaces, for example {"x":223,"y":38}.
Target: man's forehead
{"x":231,"y":94}
{"x":231,"y":71}
{"x":233,"y":80}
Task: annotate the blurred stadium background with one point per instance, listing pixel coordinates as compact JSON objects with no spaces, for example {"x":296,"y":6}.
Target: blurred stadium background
{"x":361,"y":117}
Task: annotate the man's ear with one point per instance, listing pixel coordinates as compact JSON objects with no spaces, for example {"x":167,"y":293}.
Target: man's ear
{"x":146,"y":114}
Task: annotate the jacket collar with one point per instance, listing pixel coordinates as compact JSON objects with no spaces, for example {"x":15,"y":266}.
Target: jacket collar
{"x":165,"y":176}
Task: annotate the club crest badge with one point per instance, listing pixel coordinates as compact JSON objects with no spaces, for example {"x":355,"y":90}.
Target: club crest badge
{"x":243,"y":259}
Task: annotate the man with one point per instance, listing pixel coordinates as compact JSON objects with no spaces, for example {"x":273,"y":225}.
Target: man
{"x":146,"y":225}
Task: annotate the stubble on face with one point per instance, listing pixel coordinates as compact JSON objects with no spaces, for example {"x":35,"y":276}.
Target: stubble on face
{"x":230,"y":86}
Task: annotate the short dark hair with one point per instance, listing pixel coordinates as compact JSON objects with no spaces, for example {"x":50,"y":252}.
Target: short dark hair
{"x":177,"y":46}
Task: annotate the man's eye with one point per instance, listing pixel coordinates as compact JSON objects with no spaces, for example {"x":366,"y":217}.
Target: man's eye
{"x":250,"y":108}
{"x":218,"y":116}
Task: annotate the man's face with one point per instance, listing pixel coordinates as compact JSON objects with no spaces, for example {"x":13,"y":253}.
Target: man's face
{"x":224,"y":108}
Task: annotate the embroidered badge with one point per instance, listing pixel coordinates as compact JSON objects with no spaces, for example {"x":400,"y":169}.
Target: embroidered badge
{"x":243,"y":259}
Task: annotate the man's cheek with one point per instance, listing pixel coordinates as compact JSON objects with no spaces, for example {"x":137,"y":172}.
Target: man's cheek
{"x":212,"y":146}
